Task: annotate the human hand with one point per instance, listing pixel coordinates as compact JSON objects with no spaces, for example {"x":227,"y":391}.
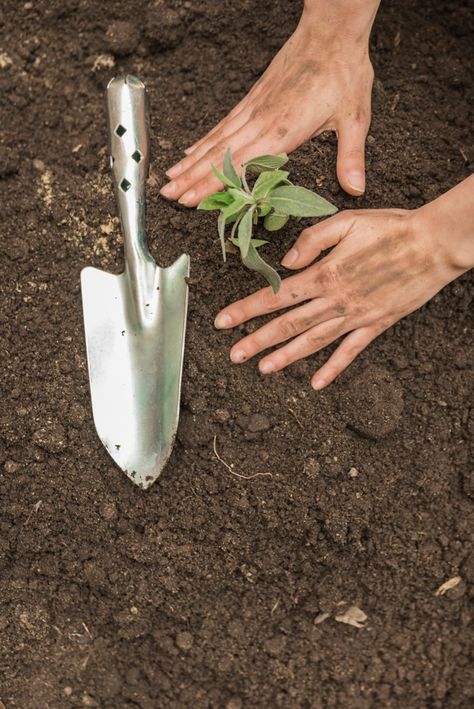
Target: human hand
{"x":320,"y":80}
{"x":385,"y":264}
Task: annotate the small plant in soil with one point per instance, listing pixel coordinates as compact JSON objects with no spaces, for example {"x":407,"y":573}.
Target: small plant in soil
{"x":271,"y":197}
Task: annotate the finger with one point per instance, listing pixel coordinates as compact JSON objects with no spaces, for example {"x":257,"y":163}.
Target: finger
{"x":351,"y":137}
{"x":293,"y":290}
{"x":317,"y":238}
{"x":199,"y":188}
{"x":313,"y":340}
{"x":229,"y":127}
{"x":283,"y":328}
{"x":185,"y":182}
{"x":351,"y":346}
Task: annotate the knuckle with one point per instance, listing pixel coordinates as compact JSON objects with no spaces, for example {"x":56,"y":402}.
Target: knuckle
{"x":288,"y":327}
{"x":329,"y":276}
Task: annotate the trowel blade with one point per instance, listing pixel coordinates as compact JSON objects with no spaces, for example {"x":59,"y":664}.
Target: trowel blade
{"x":135,"y":366}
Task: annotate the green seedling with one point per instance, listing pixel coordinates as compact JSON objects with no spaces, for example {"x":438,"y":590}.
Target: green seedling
{"x":272,"y":197}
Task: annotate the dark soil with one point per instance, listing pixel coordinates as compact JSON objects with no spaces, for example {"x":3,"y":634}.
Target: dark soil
{"x":204,"y":591}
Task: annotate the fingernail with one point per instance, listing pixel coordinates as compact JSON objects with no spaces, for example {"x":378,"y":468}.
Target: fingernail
{"x":174,"y":171}
{"x":356,"y":181}
{"x":290,"y":257}
{"x":238,"y":356}
{"x":168,"y":190}
{"x":223,"y":321}
{"x":187,"y":197}
{"x":267,"y":367}
{"x":318,"y":384}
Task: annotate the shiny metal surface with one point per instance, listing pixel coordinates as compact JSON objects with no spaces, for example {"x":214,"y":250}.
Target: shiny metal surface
{"x":134,"y":322}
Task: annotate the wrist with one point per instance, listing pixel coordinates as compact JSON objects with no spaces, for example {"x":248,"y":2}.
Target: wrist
{"x":448,"y":222}
{"x":347,"y":23}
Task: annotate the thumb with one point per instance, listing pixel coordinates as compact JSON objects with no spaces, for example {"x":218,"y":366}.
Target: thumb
{"x":351,"y":156}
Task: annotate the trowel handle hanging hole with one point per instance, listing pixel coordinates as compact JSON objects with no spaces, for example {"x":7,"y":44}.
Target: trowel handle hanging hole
{"x":125,"y":185}
{"x":120,"y":130}
{"x":137,"y":156}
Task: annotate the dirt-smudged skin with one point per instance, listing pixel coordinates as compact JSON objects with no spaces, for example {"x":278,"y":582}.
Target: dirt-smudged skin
{"x":203,"y":592}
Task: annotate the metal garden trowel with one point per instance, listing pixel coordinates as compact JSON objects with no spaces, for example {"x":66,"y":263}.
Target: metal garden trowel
{"x":135,"y":322}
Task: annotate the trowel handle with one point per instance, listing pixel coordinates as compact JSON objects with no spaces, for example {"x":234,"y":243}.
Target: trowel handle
{"x":127,"y":112}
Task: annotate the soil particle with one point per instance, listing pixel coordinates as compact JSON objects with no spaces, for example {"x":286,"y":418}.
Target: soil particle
{"x":233,"y":703}
{"x":257,"y":423}
{"x":372,"y":404}
{"x":108,"y":511}
{"x":163,"y":26}
{"x":184,"y":640}
{"x":52,"y":437}
{"x":122,"y":38}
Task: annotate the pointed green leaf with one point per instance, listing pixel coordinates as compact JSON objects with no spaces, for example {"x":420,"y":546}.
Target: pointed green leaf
{"x":232,"y":210}
{"x":220,"y":176}
{"x":245,"y":231}
{"x":255,"y":262}
{"x":266,"y":162}
{"x":275,"y":221}
{"x":229,"y":170}
{"x":215,"y":201}
{"x":234,"y":227}
{"x":240,"y":195}
{"x":258,"y":242}
{"x":221,"y":230}
{"x":266,"y":181}
{"x":299,"y":202}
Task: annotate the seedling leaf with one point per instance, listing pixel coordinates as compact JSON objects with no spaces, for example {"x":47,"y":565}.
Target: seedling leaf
{"x":255,"y":262}
{"x":275,"y":221}
{"x":267,"y":181}
{"x":220,"y":176}
{"x":215,"y":201}
{"x":266,"y":162}
{"x":273,"y":198}
{"x":240,"y":195}
{"x":299,"y":202}
{"x":229,"y":170}
{"x":221,"y":230}
{"x":258,"y":242}
{"x":245,"y":232}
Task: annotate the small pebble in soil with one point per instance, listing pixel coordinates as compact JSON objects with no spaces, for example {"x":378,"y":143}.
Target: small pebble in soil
{"x":122,"y":38}
{"x":353,"y":473}
{"x":184,"y":640}
{"x":10,"y":466}
{"x":372,"y":403}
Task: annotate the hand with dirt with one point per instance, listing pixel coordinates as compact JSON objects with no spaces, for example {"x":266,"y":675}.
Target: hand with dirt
{"x":385,"y":264}
{"x":320,"y":80}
